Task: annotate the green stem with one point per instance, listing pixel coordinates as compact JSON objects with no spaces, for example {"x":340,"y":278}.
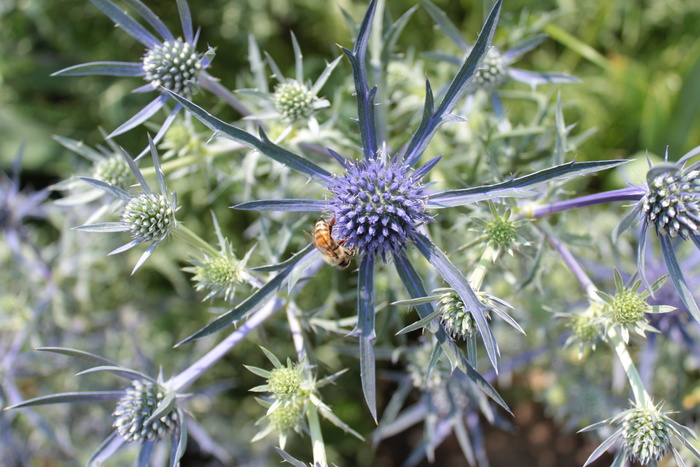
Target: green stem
{"x":319,"y":447}
{"x":641,"y":396}
{"x":170,"y":166}
{"x":193,"y":239}
{"x":476,"y":278}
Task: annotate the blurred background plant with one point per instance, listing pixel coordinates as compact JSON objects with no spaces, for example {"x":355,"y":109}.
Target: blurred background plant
{"x":639,"y":65}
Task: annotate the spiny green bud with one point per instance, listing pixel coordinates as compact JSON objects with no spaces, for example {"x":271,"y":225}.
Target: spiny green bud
{"x":585,"y":328}
{"x":113,"y":170}
{"x":458,"y":322}
{"x":219,"y":274}
{"x":286,"y":415}
{"x":646,"y":434}
{"x":136,"y":407}
{"x":419,"y":360}
{"x":149,"y":217}
{"x":628,"y":307}
{"x":173,"y":65}
{"x":501,"y":232}
{"x":285,"y":382}
{"x":492,"y":73}
{"x":294,"y":100}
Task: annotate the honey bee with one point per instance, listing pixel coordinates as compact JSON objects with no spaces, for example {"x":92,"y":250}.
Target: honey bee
{"x":334,"y":253}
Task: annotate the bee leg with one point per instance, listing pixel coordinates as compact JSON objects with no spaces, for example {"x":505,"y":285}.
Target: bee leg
{"x":331,"y":223}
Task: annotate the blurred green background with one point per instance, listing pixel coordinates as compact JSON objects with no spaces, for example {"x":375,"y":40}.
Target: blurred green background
{"x":639,"y":62}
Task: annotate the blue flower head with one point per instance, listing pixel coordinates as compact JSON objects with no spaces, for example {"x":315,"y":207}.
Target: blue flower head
{"x":378,"y":206}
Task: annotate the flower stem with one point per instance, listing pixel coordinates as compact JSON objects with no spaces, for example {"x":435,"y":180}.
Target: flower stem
{"x":319,"y":447}
{"x":193,"y":239}
{"x":624,"y":194}
{"x":198,"y":368}
{"x":476,"y":278}
{"x":641,"y":396}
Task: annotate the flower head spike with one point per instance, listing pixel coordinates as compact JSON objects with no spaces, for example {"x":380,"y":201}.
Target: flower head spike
{"x":146,"y":412}
{"x":148,"y":216}
{"x":168,"y":62}
{"x":671,"y":204}
{"x":646,"y":436}
{"x":378,"y":206}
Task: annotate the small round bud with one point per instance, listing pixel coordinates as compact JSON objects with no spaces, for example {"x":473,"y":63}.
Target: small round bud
{"x":149,"y":217}
{"x":492,"y":73}
{"x":219,"y":274}
{"x":113,"y":170}
{"x":294,"y":100}
{"x":285,"y":382}
{"x":136,"y":407}
{"x":646,"y":435}
{"x":458,"y":322}
{"x":287,"y":415}
{"x":173,"y":65}
{"x":501,"y":232}
{"x":628,"y":308}
{"x":585,"y":328}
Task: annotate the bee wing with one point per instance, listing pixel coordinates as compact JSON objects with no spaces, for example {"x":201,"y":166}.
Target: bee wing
{"x":311,"y":239}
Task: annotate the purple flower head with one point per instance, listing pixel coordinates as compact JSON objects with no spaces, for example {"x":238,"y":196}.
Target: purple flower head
{"x":378,"y":206}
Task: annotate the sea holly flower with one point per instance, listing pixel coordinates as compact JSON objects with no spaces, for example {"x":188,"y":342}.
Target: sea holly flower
{"x":148,"y":216}
{"x":627,"y":307}
{"x":669,"y":201}
{"x":646,"y":436}
{"x":146,"y":411}
{"x":293,"y":102}
{"x":496,"y":67}
{"x":221,"y":272}
{"x":380,"y":205}
{"x":168,"y":63}
{"x":108,"y":165}
{"x":292,"y":390}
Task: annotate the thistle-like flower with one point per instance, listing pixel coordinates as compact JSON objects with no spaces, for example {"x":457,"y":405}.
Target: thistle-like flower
{"x":380,"y":203}
{"x":148,"y":216}
{"x":169,"y":62}
{"x":107,"y":165}
{"x":147,"y":410}
{"x":646,"y":436}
